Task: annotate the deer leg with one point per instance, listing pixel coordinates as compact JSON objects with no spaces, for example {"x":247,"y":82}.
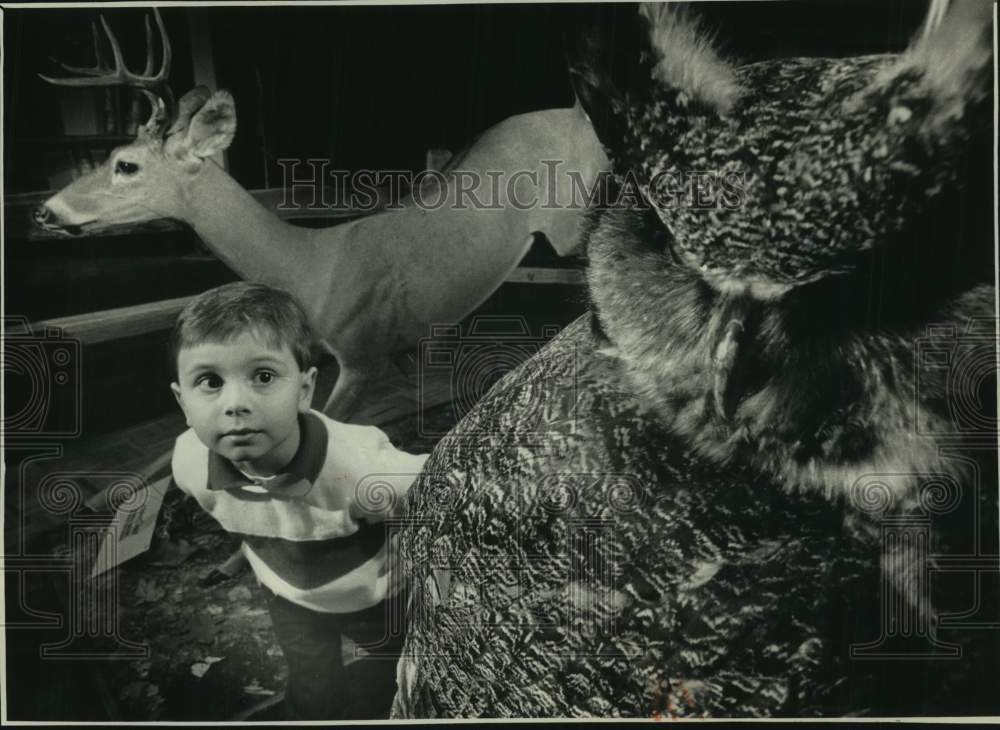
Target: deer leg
{"x":347,"y":393}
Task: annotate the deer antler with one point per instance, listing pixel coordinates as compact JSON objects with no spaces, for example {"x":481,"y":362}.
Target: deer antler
{"x":119,"y":75}
{"x":99,"y":67}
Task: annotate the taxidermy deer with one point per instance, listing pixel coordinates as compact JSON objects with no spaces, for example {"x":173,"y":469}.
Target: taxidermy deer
{"x":372,"y":286}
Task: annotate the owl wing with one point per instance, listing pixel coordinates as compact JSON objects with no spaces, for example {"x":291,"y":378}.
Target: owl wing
{"x":567,"y":558}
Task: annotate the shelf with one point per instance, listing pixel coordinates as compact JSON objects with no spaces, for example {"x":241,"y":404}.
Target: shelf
{"x":79,"y":139}
{"x":114,"y":324}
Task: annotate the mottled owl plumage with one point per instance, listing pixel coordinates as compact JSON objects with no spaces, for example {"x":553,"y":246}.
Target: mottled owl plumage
{"x":681,"y":505}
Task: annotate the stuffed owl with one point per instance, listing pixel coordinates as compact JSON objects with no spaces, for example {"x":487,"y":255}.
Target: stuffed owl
{"x":759,"y":478}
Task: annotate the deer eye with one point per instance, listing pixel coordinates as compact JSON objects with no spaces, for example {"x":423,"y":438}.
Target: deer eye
{"x":122,"y":167}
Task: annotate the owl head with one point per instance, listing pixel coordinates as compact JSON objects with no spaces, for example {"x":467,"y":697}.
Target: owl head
{"x":778,"y":235}
{"x":776,"y":174}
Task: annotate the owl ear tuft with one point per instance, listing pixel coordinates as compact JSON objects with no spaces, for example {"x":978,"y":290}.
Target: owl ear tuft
{"x":687,"y":59}
{"x":952,"y":60}
{"x":595,"y":70}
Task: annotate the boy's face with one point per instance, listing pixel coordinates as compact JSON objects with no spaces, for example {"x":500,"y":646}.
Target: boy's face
{"x":242,"y":398}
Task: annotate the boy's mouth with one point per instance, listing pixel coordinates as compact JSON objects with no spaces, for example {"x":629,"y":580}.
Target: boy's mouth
{"x":240,"y":432}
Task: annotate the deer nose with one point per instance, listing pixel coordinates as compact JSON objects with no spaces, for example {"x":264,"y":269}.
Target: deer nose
{"x":41,"y":214}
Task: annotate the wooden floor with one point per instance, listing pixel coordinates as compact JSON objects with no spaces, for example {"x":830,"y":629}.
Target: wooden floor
{"x":401,"y":394}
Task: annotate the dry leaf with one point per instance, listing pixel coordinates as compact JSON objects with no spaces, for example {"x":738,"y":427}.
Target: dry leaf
{"x":148,"y":592}
{"x":259,"y":623}
{"x":142,"y":668}
{"x":198,"y":669}
{"x":254,"y":688}
{"x":172,"y":554}
{"x":239,"y":593}
{"x":134,"y":690}
{"x":202,"y":628}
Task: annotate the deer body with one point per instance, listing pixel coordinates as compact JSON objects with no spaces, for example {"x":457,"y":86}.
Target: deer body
{"x":436,"y":265}
{"x":440,"y":260}
{"x":372,"y":286}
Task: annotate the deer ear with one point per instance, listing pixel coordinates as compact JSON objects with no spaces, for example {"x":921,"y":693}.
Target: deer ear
{"x":212,"y":127}
{"x":187,"y":106}
{"x":209,"y":130}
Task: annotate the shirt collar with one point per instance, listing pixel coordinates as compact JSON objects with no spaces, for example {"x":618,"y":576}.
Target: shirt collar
{"x":297,"y":478}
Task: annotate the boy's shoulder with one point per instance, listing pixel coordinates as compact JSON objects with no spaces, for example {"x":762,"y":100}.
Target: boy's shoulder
{"x":365,"y":447}
{"x":349,"y":437}
{"x":351,"y":431}
{"x":189,"y":462}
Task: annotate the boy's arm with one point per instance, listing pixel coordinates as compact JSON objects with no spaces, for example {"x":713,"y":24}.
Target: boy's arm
{"x":380,"y":494}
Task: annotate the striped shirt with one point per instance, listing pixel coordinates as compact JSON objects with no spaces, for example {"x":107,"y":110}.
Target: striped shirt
{"x":313,"y":534}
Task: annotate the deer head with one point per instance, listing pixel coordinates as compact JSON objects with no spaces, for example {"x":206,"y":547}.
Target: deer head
{"x":150,"y":177}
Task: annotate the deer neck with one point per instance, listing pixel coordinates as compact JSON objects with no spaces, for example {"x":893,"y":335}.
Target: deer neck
{"x":248,"y":238}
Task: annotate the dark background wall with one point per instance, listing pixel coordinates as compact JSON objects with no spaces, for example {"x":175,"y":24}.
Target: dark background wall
{"x":374,"y":87}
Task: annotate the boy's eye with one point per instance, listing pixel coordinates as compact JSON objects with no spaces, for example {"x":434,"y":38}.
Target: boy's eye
{"x":209,"y":382}
{"x":264,"y":377}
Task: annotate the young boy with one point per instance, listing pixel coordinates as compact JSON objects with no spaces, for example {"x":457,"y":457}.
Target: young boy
{"x":305,"y":493}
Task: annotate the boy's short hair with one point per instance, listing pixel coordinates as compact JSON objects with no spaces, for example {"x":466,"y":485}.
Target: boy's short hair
{"x":223,"y":313}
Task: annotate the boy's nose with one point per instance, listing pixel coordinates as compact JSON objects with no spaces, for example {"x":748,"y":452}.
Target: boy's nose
{"x":236,"y":400}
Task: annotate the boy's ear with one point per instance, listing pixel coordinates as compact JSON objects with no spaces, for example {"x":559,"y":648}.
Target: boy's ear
{"x":308,"y":388}
{"x":176,"y":390}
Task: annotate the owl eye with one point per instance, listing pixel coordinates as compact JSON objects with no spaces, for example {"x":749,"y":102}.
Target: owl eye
{"x":664,"y":242}
{"x":658,"y":236}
